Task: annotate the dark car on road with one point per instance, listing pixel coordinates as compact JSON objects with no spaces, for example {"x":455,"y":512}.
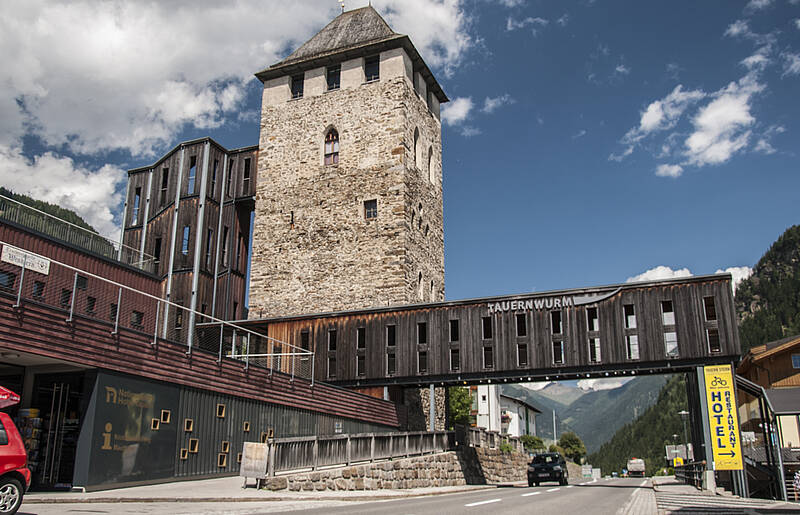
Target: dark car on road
{"x":548,"y":466}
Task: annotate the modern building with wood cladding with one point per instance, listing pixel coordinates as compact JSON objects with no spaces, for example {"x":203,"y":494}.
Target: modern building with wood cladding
{"x":189,"y":212}
{"x":654,"y":327}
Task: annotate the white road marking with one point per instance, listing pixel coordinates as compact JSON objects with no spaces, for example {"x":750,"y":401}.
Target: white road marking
{"x":570,"y":486}
{"x":643,"y":483}
{"x":482,"y":502}
{"x":531,"y":493}
{"x":553,"y":490}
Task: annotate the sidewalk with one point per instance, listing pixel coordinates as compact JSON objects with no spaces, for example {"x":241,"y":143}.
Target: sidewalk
{"x":229,"y":489}
{"x":672,"y":495}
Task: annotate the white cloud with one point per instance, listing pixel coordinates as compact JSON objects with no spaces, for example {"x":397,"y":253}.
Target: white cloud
{"x":469,"y":131}
{"x":93,"y":194}
{"x":581,"y":133}
{"x":100,"y":76}
{"x":622,"y":69}
{"x":739,"y":274}
{"x":456,"y":111}
{"x":755,"y":5}
{"x":610,"y":383}
{"x":797,"y":23}
{"x":512,"y":24}
{"x":563,"y":20}
{"x":658,"y":273}
{"x":737,"y":28}
{"x":492,"y":103}
{"x":511,"y":3}
{"x":720,"y":127}
{"x":764,"y":146}
{"x":791,"y":64}
{"x":757,"y":61}
{"x":669,"y":171}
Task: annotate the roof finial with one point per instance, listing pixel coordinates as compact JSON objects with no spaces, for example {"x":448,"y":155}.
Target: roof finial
{"x":342,"y":4}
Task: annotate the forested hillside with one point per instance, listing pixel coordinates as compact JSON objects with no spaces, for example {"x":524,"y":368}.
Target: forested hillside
{"x":768,"y":302}
{"x":51,"y":209}
{"x":646,"y":436}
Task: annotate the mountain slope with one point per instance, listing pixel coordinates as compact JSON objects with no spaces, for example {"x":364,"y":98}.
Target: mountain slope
{"x":768,"y":302}
{"x":593,"y":415}
{"x":647,"y":436}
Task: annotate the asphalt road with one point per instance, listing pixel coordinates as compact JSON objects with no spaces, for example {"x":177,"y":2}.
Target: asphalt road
{"x":582,"y":497}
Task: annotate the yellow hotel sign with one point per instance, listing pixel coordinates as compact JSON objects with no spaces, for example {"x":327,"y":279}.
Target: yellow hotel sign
{"x":722,"y":418}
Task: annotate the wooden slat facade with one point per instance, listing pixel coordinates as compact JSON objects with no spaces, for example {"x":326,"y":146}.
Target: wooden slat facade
{"x":690,"y":325}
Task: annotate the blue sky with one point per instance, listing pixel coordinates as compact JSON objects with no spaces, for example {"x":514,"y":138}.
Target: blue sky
{"x":586,"y":142}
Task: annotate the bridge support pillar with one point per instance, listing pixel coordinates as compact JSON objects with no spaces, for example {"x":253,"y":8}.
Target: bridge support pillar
{"x":426,"y":408}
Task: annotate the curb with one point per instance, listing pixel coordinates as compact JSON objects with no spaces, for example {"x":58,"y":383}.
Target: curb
{"x":119,"y":500}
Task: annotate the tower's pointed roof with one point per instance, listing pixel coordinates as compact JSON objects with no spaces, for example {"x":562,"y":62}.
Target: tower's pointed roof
{"x":351,"y":29}
{"x":351,"y":34}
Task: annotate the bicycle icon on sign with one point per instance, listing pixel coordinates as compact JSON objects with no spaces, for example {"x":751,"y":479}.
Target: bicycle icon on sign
{"x":718,"y":381}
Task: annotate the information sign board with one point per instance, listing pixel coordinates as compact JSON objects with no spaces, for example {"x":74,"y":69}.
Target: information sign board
{"x":723,"y":420}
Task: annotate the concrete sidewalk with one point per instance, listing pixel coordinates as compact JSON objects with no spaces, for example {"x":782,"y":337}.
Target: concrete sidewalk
{"x":229,"y":489}
{"x":672,"y":495}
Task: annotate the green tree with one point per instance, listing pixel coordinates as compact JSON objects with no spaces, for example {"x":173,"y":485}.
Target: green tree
{"x":573,"y":446}
{"x":459,"y":405}
{"x":555,"y":448}
{"x":532,"y":443}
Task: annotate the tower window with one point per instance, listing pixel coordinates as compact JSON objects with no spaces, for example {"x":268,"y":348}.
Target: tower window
{"x":137,"y":199}
{"x":416,"y":147}
{"x":372,"y":68}
{"x":454,"y":330}
{"x":333,"y":74}
{"x":231,"y":165}
{"x":157,"y":251}
{"x":430,"y":164}
{"x":192,"y":174}
{"x":225,"y":246}
{"x":332,"y":147}
{"x":297,"y":86}
{"x":371,"y":209}
{"x":209,"y":240}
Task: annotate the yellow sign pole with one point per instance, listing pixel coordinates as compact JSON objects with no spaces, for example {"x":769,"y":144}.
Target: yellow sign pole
{"x":723,"y":418}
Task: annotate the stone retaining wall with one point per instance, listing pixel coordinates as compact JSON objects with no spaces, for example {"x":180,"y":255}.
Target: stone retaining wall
{"x":469,"y":467}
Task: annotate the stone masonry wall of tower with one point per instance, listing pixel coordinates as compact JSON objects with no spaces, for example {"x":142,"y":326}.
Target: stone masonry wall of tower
{"x":313,"y":248}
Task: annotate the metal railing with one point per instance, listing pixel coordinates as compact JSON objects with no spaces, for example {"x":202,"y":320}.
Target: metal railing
{"x":30,"y":278}
{"x":29,"y":217}
{"x":311,"y":453}
{"x":691,"y":473}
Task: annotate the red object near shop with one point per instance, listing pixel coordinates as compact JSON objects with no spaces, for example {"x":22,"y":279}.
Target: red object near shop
{"x":15,"y":477}
{"x":7,"y":398}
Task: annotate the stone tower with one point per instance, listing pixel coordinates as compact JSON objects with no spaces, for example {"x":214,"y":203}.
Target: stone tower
{"x":348,"y":209}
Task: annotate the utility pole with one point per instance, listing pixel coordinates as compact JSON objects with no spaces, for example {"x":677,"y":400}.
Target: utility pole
{"x":555,"y":436}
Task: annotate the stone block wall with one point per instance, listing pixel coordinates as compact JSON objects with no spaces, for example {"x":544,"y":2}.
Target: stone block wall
{"x":468,"y":467}
{"x":313,"y":248}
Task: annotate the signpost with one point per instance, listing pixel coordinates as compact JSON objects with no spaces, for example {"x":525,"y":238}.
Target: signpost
{"x":723,"y":420}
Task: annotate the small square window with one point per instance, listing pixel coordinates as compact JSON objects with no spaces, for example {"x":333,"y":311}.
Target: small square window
{"x":361,"y":365}
{"x":194,"y":445}
{"x":246,"y":426}
{"x":667,"y":313}
{"x":592,"y":322}
{"x":81,"y":282}
{"x":38,"y":289}
{"x":220,"y":411}
{"x":372,"y":68}
{"x":297,"y":86}
{"x":710,"y":308}
{"x":391,"y":363}
{"x":391,"y":332}
{"x":371,"y":209}
{"x":454,"y":331}
{"x":422,"y":362}
{"x":455,"y":359}
{"x":137,"y":318}
{"x":522,"y":355}
{"x":155,"y":424}
{"x":66,"y":297}
{"x":422,"y":333}
{"x":522,"y":324}
{"x":225,"y":447}
{"x":361,"y":338}
{"x":333,"y":76}
{"x":671,"y":344}
{"x":558,"y":352}
{"x":594,"y":350}
{"x":795,"y":360}
{"x":630,"y":316}
{"x":488,"y":357}
{"x":632,"y":345}
{"x":184,"y":454}
{"x":713,"y":340}
{"x":188,"y":425}
{"x":7,"y":279}
{"x":91,"y":303}
{"x":486,"y":328}
{"x":166,"y":416}
{"x":112,"y":312}
{"x":555,"y":322}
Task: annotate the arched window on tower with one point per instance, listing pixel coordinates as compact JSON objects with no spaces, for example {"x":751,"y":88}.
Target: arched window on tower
{"x":419,"y":286}
{"x":433,"y":298}
{"x":416,"y":147}
{"x":430,"y":164}
{"x":332,"y":147}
